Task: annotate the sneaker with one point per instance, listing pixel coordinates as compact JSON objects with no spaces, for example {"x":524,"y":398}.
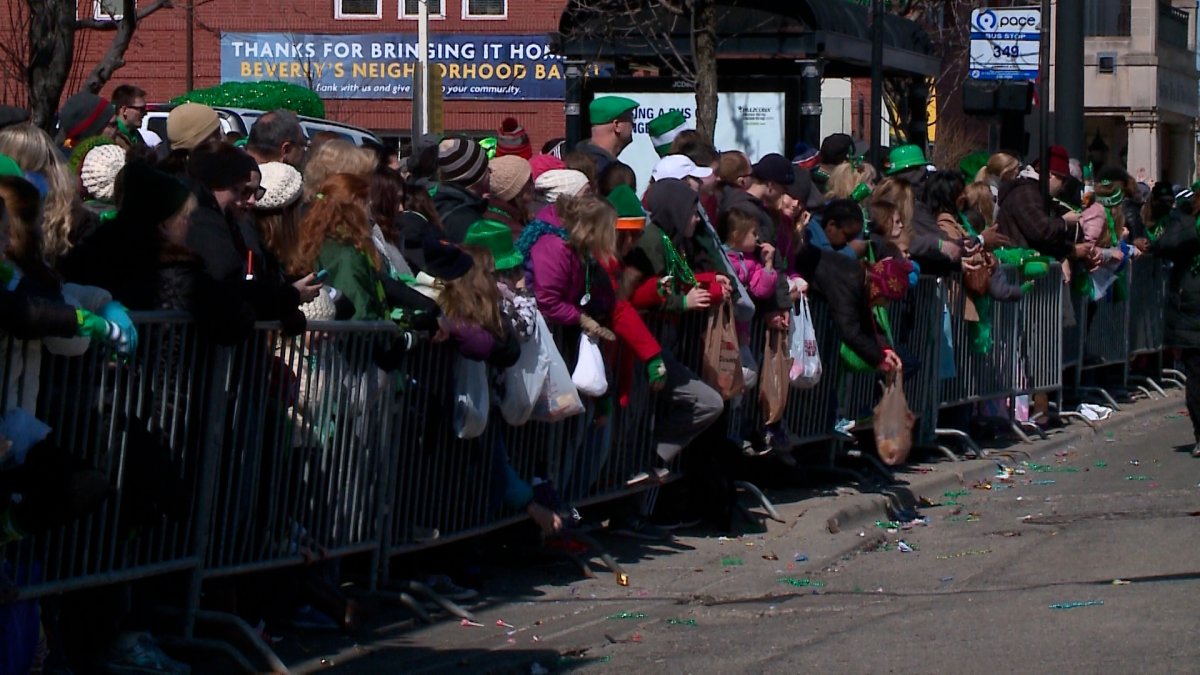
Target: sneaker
{"x":310,"y":618}
{"x":445,"y":587}
{"x":638,"y":528}
{"x":138,"y":653}
{"x":1196,"y":451}
{"x":545,"y":495}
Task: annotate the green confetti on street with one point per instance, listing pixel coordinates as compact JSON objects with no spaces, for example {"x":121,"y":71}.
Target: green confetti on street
{"x":803,"y":583}
{"x":681,"y":622}
{"x":956,"y":493}
{"x":1101,"y":464}
{"x":621,"y":616}
{"x":732,"y":562}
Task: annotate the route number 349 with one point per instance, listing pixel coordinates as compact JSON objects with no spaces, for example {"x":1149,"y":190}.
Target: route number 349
{"x":1010,"y":51}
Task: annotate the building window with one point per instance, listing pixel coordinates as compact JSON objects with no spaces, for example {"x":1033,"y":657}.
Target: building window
{"x":485,"y":9}
{"x":358,"y":9}
{"x":108,"y":10}
{"x":1107,"y":18}
{"x":410,"y":8}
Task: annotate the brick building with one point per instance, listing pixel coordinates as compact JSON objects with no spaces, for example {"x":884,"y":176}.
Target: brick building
{"x":157,"y":57}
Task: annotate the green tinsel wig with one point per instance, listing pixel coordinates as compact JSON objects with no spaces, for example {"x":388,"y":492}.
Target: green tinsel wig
{"x":268,"y":95}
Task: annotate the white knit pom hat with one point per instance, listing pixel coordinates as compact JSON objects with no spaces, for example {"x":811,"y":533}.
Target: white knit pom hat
{"x":558,"y":183}
{"x":282,"y":183}
{"x":99,"y":170}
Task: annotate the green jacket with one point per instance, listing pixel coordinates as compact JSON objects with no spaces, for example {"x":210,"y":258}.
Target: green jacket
{"x":351,"y":273}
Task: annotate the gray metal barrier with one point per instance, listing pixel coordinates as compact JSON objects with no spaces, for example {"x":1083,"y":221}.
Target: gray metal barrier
{"x":1148,"y":303}
{"x":981,"y":376}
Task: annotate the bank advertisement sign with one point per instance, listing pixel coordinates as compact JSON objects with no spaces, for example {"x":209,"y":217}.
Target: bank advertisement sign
{"x":752,"y":122}
{"x":382,"y":65}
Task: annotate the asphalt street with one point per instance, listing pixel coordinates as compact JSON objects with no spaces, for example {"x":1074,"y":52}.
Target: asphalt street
{"x":1084,"y":560}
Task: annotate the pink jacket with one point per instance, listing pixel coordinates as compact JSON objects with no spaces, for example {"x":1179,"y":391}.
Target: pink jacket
{"x":758,"y":280}
{"x":1093,"y":222}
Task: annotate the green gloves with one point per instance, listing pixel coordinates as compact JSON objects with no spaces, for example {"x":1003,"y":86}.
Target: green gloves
{"x":95,"y":327}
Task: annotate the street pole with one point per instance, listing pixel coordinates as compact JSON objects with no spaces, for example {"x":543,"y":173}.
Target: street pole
{"x":1068,"y":77}
{"x":421,"y":96}
{"x":1044,"y":102}
{"x":876,"y":157}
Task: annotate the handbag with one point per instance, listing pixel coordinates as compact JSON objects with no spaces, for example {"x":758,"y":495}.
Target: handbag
{"x":471,"y":398}
{"x":978,"y":281}
{"x":806,"y":358}
{"x":721,"y":367}
{"x":589,"y":376}
{"x":893,"y":422}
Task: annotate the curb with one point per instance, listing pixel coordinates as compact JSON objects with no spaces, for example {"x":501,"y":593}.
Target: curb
{"x":875,"y":505}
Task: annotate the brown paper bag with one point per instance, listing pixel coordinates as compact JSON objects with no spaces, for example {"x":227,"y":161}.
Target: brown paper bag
{"x":893,"y":423}
{"x":773,"y":380}
{"x":721,"y":367}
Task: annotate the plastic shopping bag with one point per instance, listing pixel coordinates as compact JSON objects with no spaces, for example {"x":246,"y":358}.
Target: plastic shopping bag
{"x":560,"y":398}
{"x":523,"y":383}
{"x":589,"y":376}
{"x":471,"y":398}
{"x":893,"y":423}
{"x":806,"y":359}
{"x":721,"y":367}
{"x":773,"y":377}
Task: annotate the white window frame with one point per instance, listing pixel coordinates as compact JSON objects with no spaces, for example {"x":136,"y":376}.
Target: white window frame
{"x":413,"y":17}
{"x":337,"y":13}
{"x":99,"y":15}
{"x":468,"y":16}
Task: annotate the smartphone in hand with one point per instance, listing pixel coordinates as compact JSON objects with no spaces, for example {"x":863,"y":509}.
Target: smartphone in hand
{"x":320,"y":277}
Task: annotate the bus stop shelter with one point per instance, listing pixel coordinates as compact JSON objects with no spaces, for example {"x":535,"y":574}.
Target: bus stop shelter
{"x":798,"y":42}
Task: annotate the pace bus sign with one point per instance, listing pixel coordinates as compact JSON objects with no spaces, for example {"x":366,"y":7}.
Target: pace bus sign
{"x":1005,"y":43}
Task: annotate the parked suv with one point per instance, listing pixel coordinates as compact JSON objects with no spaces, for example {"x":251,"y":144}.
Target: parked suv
{"x":241,"y":119}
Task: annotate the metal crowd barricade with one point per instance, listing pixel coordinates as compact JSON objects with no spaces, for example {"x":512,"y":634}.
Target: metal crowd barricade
{"x":981,"y":375}
{"x":1104,"y":332}
{"x":140,"y":422}
{"x":1148,"y":283}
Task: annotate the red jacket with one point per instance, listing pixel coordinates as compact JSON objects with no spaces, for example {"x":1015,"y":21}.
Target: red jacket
{"x":647,"y":298}
{"x":631,"y":330}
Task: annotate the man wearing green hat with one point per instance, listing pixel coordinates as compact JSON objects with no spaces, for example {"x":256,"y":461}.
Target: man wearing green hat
{"x":612,"y":129}
{"x":663,"y":130}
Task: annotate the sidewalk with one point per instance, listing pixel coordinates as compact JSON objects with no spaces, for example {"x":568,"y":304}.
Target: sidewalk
{"x":560,"y":620}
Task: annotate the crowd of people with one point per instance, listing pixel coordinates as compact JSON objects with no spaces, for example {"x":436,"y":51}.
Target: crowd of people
{"x":472,"y":248}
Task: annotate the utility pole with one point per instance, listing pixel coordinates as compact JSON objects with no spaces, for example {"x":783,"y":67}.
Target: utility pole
{"x":1044,"y":102}
{"x":876,"y":157}
{"x":1068,"y":77}
{"x":421,"y":123}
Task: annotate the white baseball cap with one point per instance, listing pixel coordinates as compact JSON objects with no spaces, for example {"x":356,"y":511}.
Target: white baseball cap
{"x":679,"y":167}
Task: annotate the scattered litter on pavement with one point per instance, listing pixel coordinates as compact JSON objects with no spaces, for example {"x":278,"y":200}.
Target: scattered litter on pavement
{"x":947,"y":579}
{"x":1046,"y":468}
{"x":964,"y":554}
{"x":1121,"y":582}
{"x":982,"y":485}
{"x":1005,"y":533}
{"x":1043,"y":482}
{"x":623,"y":579}
{"x":732,"y":562}
{"x":1076,"y":605}
{"x":1138,"y":478}
{"x":536,"y":638}
{"x":970,"y":518}
{"x":770,"y":556}
{"x":904,"y":547}
{"x":681,"y":622}
{"x":800,"y":557}
{"x":620,"y":616}
{"x":500,"y":623}
{"x":1134,"y":462}
{"x":955,"y":493}
{"x":861,"y":533}
{"x":802,"y":583}
{"x":927,"y":502}
{"x":887,"y":525}
{"x":1101,"y":464}
{"x":467,"y":623}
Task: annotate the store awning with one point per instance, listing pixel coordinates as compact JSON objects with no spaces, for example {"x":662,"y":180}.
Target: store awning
{"x":773,"y":33}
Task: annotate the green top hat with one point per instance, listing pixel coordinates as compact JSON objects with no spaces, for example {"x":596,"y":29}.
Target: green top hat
{"x":663,"y":130}
{"x":497,"y":238}
{"x":905,"y":157}
{"x":608,"y":108}
{"x":972,"y":163}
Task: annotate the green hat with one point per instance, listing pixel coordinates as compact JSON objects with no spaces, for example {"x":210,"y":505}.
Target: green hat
{"x":630,"y":216}
{"x":905,"y":157}
{"x":9,"y":167}
{"x":663,"y":130}
{"x":608,"y":108}
{"x":497,"y":238}
{"x":972,"y":163}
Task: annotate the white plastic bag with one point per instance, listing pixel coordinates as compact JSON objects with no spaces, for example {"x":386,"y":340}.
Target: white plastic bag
{"x":523,"y":383}
{"x":589,"y":376}
{"x":471,"y":398}
{"x":806,"y":360}
{"x":559,"y":399}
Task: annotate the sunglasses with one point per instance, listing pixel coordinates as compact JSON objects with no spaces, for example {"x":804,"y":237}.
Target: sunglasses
{"x":257,"y":193}
{"x":141,"y":108}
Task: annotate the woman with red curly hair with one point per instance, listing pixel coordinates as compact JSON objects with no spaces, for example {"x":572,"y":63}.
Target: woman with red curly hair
{"x":335,"y":236}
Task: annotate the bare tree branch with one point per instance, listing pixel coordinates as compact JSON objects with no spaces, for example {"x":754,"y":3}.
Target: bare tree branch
{"x":114,"y":56}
